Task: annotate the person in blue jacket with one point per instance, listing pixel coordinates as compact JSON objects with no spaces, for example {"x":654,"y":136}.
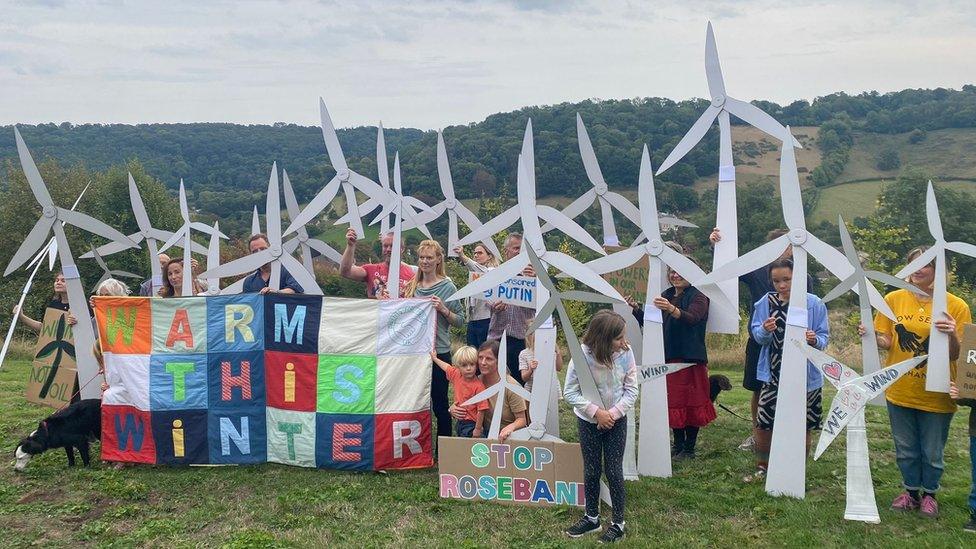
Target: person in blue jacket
{"x":768,"y":327}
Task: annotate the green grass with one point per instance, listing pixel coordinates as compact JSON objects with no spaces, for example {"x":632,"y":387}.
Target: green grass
{"x":860,"y":199}
{"x":705,"y":503}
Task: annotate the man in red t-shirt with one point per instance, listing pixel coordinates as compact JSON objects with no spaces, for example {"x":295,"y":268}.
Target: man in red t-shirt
{"x":373,"y":274}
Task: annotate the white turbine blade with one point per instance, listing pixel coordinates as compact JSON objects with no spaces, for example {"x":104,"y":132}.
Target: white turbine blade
{"x":932,"y":214}
{"x":568,"y":227}
{"x":755,"y":259}
{"x":319,"y":203}
{"x":675,"y":221}
{"x":46,"y":250}
{"x":138,"y":208}
{"x":36,"y":238}
{"x":324,"y":250}
{"x":272,"y":215}
{"x":291,"y":203}
{"x":94,"y":226}
{"x":245,"y":264}
{"x":397,"y":183}
{"x":528,"y":210}
{"x":694,"y":135}
{"x":304,"y":278}
{"x":484,"y":395}
{"x":444,"y":170}
{"x":590,"y":163}
{"x":713,"y":70}
{"x":382,"y":164}
{"x":255,"y":222}
{"x":758,"y":118}
{"x":158,"y":234}
{"x":99,"y":260}
{"x":575,"y":207}
{"x":845,"y":286}
{"x":113,"y":247}
{"x":174,"y":240}
{"x":496,"y":276}
{"x":497,"y":224}
{"x":647,"y":199}
{"x":543,"y":314}
{"x":890,"y":280}
{"x":235,"y":288}
{"x":648,"y":372}
{"x":471,"y":220}
{"x":617,"y":260}
{"x":579,"y":272}
{"x":789,"y":189}
{"x":418,"y":204}
{"x":847,"y":244}
{"x":184,"y":210}
{"x":624,"y":206}
{"x":963,"y":248}
{"x":517,"y":389}
{"x":836,"y":372}
{"x":34,"y":179}
{"x":926,"y":257}
{"x":331,"y":139}
{"x":828,"y":256}
{"x":205,"y":229}
{"x":124,"y":273}
{"x":590,"y":297}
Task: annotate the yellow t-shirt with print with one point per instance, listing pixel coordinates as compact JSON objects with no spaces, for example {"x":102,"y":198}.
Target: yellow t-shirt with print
{"x":909,"y":338}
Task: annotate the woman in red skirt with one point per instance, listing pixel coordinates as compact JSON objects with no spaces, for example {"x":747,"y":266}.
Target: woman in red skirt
{"x":685,"y":312}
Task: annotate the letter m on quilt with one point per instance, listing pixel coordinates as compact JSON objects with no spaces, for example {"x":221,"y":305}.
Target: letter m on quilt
{"x":309,"y":381}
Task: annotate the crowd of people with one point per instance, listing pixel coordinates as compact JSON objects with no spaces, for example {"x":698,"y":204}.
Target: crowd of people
{"x":919,"y":419}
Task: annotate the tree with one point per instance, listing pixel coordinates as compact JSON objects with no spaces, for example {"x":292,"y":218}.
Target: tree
{"x":887,"y":160}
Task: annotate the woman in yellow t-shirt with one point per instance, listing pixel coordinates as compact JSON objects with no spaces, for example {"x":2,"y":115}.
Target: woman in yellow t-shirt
{"x":919,"y":418}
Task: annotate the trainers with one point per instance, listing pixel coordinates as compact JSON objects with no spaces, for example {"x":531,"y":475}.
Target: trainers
{"x":905,"y":502}
{"x":971,"y":525}
{"x":583,"y":526}
{"x":612,"y":534}
{"x":929,"y":508}
{"x":748,"y":444}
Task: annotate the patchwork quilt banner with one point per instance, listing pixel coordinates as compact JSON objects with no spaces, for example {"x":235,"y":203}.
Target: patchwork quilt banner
{"x":303,"y":380}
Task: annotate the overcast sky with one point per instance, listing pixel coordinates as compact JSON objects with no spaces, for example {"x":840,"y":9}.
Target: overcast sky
{"x":429,"y":64}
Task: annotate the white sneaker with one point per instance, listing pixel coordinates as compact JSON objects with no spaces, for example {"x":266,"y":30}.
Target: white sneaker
{"x":748,"y":444}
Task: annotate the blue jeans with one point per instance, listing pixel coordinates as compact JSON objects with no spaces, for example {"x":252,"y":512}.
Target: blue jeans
{"x":464,"y":428}
{"x":972,"y":460}
{"x":478,"y":332}
{"x":920,"y":439}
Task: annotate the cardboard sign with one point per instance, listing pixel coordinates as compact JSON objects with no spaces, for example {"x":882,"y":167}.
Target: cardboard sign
{"x":517,"y":471}
{"x":632,"y":280}
{"x":519,"y":290}
{"x":302,"y":380}
{"x":966,"y":368}
{"x":53,"y":374}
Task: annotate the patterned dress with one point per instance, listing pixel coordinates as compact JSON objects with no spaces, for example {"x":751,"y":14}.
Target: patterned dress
{"x":770,"y":389}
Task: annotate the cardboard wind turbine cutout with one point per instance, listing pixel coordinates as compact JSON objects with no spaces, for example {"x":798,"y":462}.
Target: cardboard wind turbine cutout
{"x":50,"y":251}
{"x":213,"y":260}
{"x":255,"y":222}
{"x":152,"y":236}
{"x":108,"y":273}
{"x":302,"y":240}
{"x":937,"y":369}
{"x":600,"y":193}
{"x":274,"y":254}
{"x":454,"y":208}
{"x":397,"y":201}
{"x":345,"y":178}
{"x":51,"y":218}
{"x":183,"y":235}
{"x":861,"y":503}
{"x":847,"y":410}
{"x":727,"y":249}
{"x":787,"y":458}
{"x":654,"y":456}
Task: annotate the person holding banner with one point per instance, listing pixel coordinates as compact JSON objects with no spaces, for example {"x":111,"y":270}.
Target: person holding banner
{"x":173,"y":280}
{"x":511,"y":320}
{"x":919,"y":418}
{"x":603,"y":426}
{"x":257,"y":282}
{"x":374,"y":275}
{"x":479,"y":310}
{"x":59,"y":301}
{"x":432,"y":282}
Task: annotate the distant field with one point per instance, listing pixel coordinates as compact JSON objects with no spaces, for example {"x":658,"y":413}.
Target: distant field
{"x":858,"y":199}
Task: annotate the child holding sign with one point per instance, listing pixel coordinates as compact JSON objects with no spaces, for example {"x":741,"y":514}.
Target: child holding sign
{"x":603,"y":431}
{"x":464,"y":378}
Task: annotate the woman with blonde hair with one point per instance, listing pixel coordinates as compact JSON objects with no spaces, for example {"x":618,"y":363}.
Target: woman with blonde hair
{"x":432,"y":282}
{"x":479,"y":310}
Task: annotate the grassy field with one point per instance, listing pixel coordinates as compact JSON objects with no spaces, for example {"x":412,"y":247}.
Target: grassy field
{"x":705,"y":503}
{"x":859,"y":199}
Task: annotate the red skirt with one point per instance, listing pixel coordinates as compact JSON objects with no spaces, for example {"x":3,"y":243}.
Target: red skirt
{"x":688,"y":397}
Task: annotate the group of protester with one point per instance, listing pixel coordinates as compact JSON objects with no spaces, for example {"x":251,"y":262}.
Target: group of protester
{"x":919,"y":419}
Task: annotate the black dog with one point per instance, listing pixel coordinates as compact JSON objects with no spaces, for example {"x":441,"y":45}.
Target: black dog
{"x":70,"y":428}
{"x":716,"y":384}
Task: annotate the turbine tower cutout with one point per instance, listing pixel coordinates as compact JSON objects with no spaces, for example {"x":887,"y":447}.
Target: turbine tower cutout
{"x":347,"y":179}
{"x":108,"y":273}
{"x":455,"y":209}
{"x":727,"y":249}
{"x":387,"y":198}
{"x":861,"y":503}
{"x":302,"y":240}
{"x":274,"y":254}
{"x":188,"y":245}
{"x":50,"y":221}
{"x":504,"y":384}
{"x":600,"y":193}
{"x":937,"y":375}
{"x":153,"y":237}
{"x":654,"y":457}
{"x":51,"y":251}
{"x":787,"y":458}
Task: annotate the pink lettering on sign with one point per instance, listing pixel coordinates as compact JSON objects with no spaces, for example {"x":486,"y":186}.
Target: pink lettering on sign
{"x":228,"y":381}
{"x":180,"y":330}
{"x":346,"y":435}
